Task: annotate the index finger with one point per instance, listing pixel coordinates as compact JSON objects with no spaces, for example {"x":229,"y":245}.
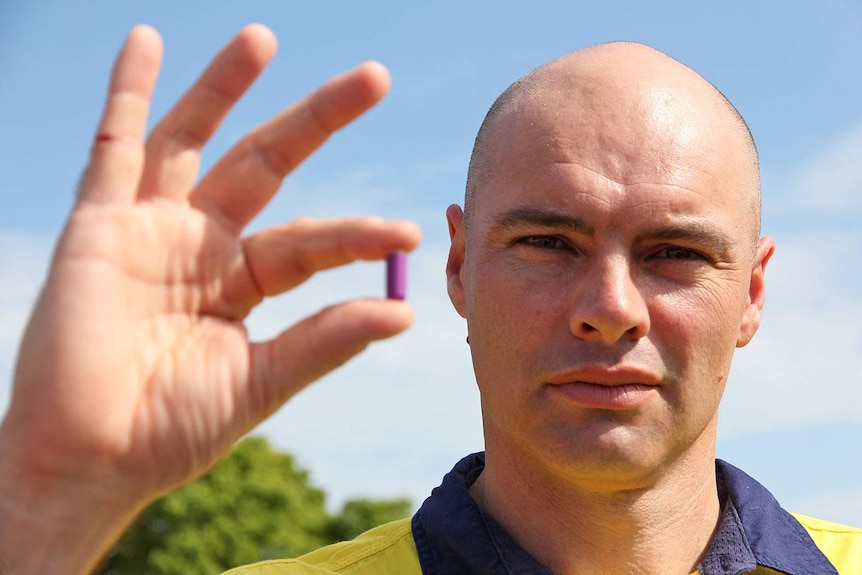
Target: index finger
{"x":245,"y":179}
{"x":282,"y":257}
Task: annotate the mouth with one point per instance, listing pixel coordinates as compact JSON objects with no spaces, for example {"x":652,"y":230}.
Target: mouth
{"x":613,"y":388}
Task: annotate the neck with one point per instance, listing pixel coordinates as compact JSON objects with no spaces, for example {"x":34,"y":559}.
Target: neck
{"x":662,"y":526}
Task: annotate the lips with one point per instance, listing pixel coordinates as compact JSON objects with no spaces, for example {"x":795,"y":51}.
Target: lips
{"x":596,"y":387}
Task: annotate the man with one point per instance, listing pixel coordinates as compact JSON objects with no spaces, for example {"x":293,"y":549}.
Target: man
{"x":608,"y":261}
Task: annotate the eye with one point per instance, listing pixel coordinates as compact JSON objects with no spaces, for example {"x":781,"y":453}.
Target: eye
{"x":544,"y":242}
{"x":677,"y":253}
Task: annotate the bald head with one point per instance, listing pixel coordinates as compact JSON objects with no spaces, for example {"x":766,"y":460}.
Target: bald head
{"x":626,"y":90}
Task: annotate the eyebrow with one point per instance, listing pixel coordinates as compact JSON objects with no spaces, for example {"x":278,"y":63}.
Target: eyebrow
{"x":686,"y":229}
{"x":529,"y":217}
{"x":690,"y":229}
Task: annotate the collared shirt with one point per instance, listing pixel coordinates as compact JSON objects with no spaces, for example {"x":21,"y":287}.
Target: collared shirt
{"x":453,"y":535}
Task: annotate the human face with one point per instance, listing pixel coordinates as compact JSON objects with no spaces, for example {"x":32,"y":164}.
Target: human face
{"x":606,"y":278}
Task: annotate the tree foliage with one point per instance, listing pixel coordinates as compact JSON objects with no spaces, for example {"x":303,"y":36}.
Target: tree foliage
{"x":254,"y":505}
{"x":360,"y":515}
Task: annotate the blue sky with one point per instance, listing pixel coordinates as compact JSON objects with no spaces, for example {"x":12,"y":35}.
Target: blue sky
{"x":393,"y":421}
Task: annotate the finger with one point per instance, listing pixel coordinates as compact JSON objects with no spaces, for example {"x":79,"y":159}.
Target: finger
{"x":242,"y":182}
{"x":281,"y":258}
{"x":174,"y":147}
{"x":117,"y":156}
{"x":319,"y":344}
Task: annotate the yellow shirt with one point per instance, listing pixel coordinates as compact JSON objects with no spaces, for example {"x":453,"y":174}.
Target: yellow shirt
{"x":451,"y":535}
{"x":389,"y":550}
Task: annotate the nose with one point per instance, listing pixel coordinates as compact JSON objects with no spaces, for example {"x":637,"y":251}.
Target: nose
{"x":608,"y":305}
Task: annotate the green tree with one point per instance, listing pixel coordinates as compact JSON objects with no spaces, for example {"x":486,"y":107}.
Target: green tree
{"x":256,"y":504}
{"x":360,"y":515}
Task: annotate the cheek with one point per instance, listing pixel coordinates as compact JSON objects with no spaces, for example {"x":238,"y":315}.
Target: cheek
{"x":510,"y":321}
{"x":710,"y":307}
{"x":696,"y":330}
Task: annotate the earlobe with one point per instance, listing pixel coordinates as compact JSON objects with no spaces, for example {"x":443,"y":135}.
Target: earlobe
{"x":756,"y":293}
{"x":455,"y":263}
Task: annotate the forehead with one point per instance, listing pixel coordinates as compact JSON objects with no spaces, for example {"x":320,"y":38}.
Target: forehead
{"x":628,"y":135}
{"x":635,"y":145}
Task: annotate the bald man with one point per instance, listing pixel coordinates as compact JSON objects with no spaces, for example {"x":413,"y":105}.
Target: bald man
{"x":608,"y":261}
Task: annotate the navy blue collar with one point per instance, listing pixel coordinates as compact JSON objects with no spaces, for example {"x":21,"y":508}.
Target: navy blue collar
{"x":455,"y":536}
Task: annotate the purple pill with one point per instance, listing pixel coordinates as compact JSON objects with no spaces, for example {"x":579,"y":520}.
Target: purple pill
{"x":396,"y":275}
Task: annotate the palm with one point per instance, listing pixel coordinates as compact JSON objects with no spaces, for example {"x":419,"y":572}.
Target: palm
{"x":136,"y":371}
{"x":170,"y":364}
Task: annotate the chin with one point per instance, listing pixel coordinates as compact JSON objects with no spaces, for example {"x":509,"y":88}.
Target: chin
{"x":614,"y":458}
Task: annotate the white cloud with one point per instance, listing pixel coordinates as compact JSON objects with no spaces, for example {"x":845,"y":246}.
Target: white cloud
{"x":831,"y":180}
{"x":805,"y":365}
{"x":840,"y":507}
{"x":803,"y":369}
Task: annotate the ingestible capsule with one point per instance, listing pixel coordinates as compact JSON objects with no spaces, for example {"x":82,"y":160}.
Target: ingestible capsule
{"x":396,"y":275}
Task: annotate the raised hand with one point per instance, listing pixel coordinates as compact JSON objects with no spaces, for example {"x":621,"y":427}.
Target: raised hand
{"x":136,"y":373}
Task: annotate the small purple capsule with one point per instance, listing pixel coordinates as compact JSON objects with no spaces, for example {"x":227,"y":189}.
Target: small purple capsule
{"x":396,"y":275}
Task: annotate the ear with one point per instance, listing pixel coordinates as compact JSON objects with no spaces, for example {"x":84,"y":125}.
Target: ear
{"x":457,"y":251}
{"x":756,"y":293}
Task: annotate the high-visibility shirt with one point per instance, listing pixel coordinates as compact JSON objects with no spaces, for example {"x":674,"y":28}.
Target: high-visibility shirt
{"x":452,"y":535}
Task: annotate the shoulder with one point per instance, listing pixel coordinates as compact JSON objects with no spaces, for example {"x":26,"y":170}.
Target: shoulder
{"x":388,"y":549}
{"x":841,"y":544}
